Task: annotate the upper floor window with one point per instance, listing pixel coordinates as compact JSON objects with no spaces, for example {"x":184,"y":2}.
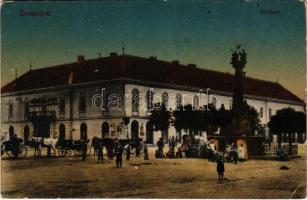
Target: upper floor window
{"x":178,"y":101}
{"x":261,"y":113}
{"x":10,"y":108}
{"x":196,"y":102}
{"x":135,"y":102}
{"x":26,"y":108}
{"x":270,"y":113}
{"x":62,"y":104}
{"x":82,"y":102}
{"x":165,"y":99}
{"x":149,"y":99}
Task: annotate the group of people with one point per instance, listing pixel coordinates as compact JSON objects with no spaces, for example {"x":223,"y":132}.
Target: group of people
{"x":118,"y":150}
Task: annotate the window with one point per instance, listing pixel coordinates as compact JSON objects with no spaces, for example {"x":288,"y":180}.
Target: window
{"x":214,"y":102}
{"x":135,"y":102}
{"x":196,"y":102}
{"x":11,"y":109}
{"x":82,"y":102}
{"x":261,"y":113}
{"x":165,"y":99}
{"x":178,"y":101}
{"x":149,"y":99}
{"x":26,"y":108}
{"x":270,"y":113}
{"x":62,"y":105}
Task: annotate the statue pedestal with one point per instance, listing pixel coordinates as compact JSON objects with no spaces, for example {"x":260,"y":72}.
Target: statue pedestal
{"x":252,"y":145}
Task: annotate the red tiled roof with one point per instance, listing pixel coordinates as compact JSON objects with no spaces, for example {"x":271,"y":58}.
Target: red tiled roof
{"x":144,"y":69}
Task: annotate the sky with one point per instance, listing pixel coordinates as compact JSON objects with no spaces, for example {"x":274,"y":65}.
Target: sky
{"x":200,"y":32}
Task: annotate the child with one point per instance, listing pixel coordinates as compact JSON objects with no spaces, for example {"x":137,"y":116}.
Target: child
{"x":220,"y":168}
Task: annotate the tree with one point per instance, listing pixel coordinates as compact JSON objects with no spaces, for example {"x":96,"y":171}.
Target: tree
{"x":161,"y":119}
{"x":222,"y":117}
{"x":188,"y":118}
{"x":288,"y":121}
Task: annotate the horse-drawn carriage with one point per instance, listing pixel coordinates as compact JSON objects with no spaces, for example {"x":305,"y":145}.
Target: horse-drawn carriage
{"x":70,"y":147}
{"x":14,"y":149}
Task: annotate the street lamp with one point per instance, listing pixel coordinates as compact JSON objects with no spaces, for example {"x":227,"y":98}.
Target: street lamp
{"x":208,"y":89}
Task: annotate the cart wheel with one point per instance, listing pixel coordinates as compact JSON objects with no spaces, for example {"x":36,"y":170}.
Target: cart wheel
{"x":77,"y":153}
{"x":9,"y":154}
{"x":22,"y":152}
{"x":62,"y":152}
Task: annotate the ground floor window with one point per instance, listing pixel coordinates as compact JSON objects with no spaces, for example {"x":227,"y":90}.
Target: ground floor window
{"x":26,"y":134}
{"x":83,"y":131}
{"x":105,"y":130}
{"x":134,"y":130}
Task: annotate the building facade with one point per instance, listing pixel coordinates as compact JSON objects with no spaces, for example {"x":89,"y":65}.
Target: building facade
{"x":72,"y":99}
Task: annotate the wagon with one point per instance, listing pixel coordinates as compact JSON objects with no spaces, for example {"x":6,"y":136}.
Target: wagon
{"x":70,"y":147}
{"x":10,"y":148}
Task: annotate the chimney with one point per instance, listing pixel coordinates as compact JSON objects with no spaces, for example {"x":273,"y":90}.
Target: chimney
{"x":80,"y":59}
{"x":192,"y":66}
{"x":153,"y":57}
{"x":112,"y":54}
{"x":176,"y":62}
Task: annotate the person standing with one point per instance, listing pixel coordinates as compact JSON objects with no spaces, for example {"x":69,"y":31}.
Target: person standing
{"x":127,"y":149}
{"x":241,"y":153}
{"x":137,"y":147}
{"x":146,"y":157}
{"x":220,"y":168}
{"x":37,"y":147}
{"x":100,"y":152}
{"x":83,"y":149}
{"x":119,"y":154}
{"x":16,"y":145}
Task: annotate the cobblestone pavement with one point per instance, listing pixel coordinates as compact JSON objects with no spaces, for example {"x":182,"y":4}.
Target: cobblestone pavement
{"x":156,"y":178}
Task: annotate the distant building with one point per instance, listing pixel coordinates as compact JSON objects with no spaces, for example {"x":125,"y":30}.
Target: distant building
{"x":58,"y":101}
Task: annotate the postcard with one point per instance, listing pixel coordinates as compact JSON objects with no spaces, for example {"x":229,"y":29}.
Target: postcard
{"x":199,"y":99}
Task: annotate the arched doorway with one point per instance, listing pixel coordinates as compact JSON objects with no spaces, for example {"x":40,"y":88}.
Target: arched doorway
{"x":26,"y":134}
{"x":105,"y":130}
{"x":62,"y":132}
{"x":134,"y":130}
{"x":83,"y":131}
{"x":11,"y":131}
{"x":149,"y":133}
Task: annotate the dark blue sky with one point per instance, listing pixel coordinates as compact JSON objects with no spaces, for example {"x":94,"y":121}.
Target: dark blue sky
{"x":200,"y":32}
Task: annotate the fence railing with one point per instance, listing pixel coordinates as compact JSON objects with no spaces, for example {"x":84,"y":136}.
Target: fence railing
{"x":272,"y":149}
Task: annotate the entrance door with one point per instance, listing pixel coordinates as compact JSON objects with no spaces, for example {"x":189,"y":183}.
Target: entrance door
{"x":61,"y":132}
{"x":149,"y":133}
{"x":105,"y":130}
{"x":134,"y":130}
{"x":11,"y":131}
{"x":165,"y":136}
{"x":42,"y":129}
{"x":26,"y":134}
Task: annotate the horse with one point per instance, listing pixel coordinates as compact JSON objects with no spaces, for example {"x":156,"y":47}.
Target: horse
{"x":38,"y":142}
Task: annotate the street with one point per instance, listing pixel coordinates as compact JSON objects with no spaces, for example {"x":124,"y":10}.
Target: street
{"x":156,"y":178}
